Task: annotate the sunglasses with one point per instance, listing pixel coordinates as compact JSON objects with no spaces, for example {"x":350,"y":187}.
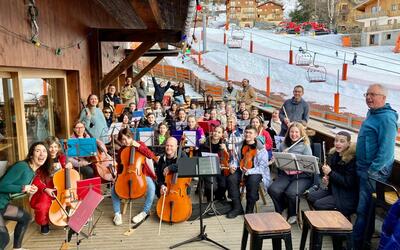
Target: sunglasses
{"x":107,"y":112}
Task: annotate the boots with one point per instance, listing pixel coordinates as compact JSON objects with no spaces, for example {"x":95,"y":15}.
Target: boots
{"x":236,"y":209}
{"x":250,"y":207}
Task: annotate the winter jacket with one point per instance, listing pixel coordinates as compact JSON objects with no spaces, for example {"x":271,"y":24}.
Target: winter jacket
{"x":343,"y":181}
{"x":248,"y":95}
{"x":230,"y":96}
{"x":376,"y":143}
{"x":159,"y":91}
{"x":296,"y":112}
{"x":14,"y":179}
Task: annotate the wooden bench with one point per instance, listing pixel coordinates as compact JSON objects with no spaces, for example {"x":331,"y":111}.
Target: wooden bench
{"x":266,"y":226}
{"x":325,"y":223}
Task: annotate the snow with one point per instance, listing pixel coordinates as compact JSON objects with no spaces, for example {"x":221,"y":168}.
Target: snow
{"x":275,"y":47}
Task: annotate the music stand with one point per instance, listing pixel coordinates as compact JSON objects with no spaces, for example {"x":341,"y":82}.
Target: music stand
{"x":296,"y":162}
{"x":198,"y":167}
{"x":79,"y":147}
{"x":147,"y":137}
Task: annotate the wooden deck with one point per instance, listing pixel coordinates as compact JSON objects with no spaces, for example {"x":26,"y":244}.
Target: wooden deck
{"x":146,"y":236}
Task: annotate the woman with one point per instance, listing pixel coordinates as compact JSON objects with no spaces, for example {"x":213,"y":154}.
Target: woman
{"x":83,"y":164}
{"x":215,"y":144}
{"x":18,"y":179}
{"x":209,"y":104}
{"x":94,"y":120}
{"x":289,"y":184}
{"x":179,"y":93}
{"x":244,"y":121}
{"x":274,"y":125}
{"x":171,"y":113}
{"x":340,"y":178}
{"x":141,"y":89}
{"x":41,"y":200}
{"x":126,"y":137}
{"x":193,"y":126}
{"x":263,"y":135}
{"x":160,"y":137}
{"x":108,"y":116}
{"x":158,"y":110}
{"x":180,"y":123}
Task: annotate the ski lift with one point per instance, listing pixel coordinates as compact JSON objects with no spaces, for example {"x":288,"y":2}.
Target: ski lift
{"x":303,"y":58}
{"x":316,"y":73}
{"x":236,"y":39}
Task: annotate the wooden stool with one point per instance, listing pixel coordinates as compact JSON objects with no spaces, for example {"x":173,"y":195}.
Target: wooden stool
{"x":332,"y":223}
{"x":266,"y":226}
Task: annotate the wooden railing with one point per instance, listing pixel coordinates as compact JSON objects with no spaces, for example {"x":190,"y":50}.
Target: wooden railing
{"x":318,"y":112}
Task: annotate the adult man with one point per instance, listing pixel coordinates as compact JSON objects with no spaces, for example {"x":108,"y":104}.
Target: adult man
{"x":295,"y":109}
{"x":255,"y":156}
{"x":248,"y":94}
{"x":110,"y":99}
{"x":129,"y":92}
{"x":374,"y":154}
{"x":167,"y":163}
{"x":230,"y":94}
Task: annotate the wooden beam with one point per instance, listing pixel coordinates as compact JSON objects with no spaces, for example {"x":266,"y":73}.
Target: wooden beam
{"x":147,"y":68}
{"x":139,"y":35}
{"x":156,"y":52}
{"x":96,"y":68}
{"x":149,"y":12}
{"x":124,"y":64}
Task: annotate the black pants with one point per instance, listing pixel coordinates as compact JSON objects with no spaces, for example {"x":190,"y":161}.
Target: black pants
{"x":86,"y":171}
{"x":322,"y":199}
{"x":285,"y":189}
{"x":14,"y":213}
{"x":252,"y":182}
{"x":218,"y":184}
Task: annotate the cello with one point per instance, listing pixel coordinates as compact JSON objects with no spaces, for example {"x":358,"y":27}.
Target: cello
{"x":131,"y":183}
{"x":179,"y":205}
{"x":65,"y":202}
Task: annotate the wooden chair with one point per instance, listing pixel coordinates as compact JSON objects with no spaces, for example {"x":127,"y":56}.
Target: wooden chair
{"x":266,"y":226}
{"x":325,"y":223}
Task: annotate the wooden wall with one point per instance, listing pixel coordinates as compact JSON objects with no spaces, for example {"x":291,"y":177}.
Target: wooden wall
{"x":61,"y":23}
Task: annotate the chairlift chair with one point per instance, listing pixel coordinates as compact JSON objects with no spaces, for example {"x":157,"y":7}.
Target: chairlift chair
{"x":316,"y":73}
{"x":303,"y":59}
{"x":236,"y":39}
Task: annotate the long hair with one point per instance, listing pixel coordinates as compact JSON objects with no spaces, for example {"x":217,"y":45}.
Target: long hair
{"x":260,"y":121}
{"x":46,"y":167}
{"x":52,"y":139}
{"x":288,"y":142}
{"x":87,"y":100}
{"x":85,"y":134}
{"x":125,"y":131}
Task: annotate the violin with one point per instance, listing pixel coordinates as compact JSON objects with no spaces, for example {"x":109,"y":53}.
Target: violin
{"x":246,"y":162}
{"x":65,"y":202}
{"x":224,"y":161}
{"x":179,"y":205}
{"x":131,"y":183}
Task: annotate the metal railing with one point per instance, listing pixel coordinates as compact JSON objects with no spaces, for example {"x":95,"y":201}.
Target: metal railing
{"x":382,"y":27}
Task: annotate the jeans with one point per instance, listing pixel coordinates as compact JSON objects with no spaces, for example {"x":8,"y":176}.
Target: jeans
{"x":364,"y":204}
{"x":150,"y":193}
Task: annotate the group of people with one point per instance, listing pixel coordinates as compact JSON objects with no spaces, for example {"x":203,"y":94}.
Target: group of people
{"x":231,"y":129}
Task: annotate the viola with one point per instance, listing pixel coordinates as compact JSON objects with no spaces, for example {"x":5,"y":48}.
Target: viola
{"x":179,"y":205}
{"x":224,"y":162}
{"x":105,"y":165}
{"x":66,"y":200}
{"x":131,"y":183}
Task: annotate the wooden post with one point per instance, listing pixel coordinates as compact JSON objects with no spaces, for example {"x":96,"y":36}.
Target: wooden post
{"x":251,"y":43}
{"x":147,"y":68}
{"x":344,"y":72}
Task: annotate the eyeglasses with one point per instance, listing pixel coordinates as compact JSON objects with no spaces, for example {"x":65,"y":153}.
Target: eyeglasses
{"x":372,"y":94}
{"x":79,"y":127}
{"x":107,"y":112}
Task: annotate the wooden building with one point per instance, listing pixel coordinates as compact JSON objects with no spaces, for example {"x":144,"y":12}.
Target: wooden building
{"x":58,"y":52}
{"x":347,"y":15}
{"x":270,"y":12}
{"x":381,"y":19}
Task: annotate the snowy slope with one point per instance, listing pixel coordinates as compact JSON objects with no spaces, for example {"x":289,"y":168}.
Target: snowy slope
{"x":284,"y":76}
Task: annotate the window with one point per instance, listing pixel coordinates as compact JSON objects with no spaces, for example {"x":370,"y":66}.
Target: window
{"x":389,"y":22}
{"x":374,"y":9}
{"x":388,"y":36}
{"x":372,"y":23}
{"x":394,"y":7}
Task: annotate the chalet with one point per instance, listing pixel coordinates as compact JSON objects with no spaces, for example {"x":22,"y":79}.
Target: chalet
{"x":381,"y":19}
{"x":346,"y":16}
{"x":270,"y":12}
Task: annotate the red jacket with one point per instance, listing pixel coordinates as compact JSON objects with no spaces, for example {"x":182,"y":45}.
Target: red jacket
{"x":268,"y":139}
{"x":144,"y":150}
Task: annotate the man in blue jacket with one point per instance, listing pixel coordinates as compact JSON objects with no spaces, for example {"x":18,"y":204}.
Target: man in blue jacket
{"x":374,"y":154}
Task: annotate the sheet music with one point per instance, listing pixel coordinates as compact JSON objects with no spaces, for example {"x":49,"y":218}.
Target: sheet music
{"x":191,"y":138}
{"x":114,"y":128}
{"x":180,"y":125}
{"x":208,"y":166}
{"x":146,"y":137}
